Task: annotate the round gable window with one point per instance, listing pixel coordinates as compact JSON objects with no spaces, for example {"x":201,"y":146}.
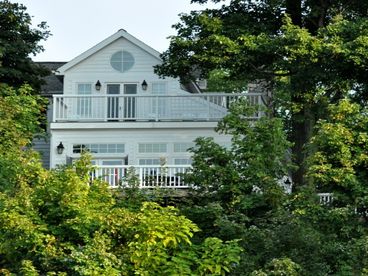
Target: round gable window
{"x":122,"y":61}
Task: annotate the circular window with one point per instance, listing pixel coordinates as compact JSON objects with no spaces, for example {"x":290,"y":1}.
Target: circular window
{"x":122,"y":61}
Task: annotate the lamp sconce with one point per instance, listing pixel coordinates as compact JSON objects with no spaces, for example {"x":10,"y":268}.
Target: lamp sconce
{"x":98,"y":85}
{"x":144,"y":85}
{"x":287,"y":181}
{"x":60,"y":148}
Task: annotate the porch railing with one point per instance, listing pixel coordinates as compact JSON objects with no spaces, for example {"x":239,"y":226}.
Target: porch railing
{"x":178,"y":107}
{"x":170,"y":176}
{"x":146,"y":176}
{"x":325,"y":198}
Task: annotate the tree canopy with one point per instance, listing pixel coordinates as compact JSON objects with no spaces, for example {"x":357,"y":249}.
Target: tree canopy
{"x":19,"y":40}
{"x":312,"y":57}
{"x":309,"y":53}
{"x":59,"y":222}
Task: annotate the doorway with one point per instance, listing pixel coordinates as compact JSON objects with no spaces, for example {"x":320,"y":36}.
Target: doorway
{"x":121,"y":107}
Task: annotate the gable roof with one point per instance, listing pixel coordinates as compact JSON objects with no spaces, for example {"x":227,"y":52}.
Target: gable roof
{"x":119,"y":34}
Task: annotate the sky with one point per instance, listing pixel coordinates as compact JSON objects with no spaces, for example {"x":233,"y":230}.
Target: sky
{"x":77,"y":25}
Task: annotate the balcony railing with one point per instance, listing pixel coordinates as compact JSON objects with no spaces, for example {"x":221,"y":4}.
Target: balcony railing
{"x":179,"y":107}
{"x":325,"y":198}
{"x":168,"y":176}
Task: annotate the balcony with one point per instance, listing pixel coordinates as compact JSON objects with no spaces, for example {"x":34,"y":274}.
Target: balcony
{"x":178,"y":107}
{"x":170,"y":176}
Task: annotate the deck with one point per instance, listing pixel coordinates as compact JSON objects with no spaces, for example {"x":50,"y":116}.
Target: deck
{"x":178,"y":107}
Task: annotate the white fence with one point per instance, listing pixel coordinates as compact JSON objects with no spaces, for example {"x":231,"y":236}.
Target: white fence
{"x":201,"y":107}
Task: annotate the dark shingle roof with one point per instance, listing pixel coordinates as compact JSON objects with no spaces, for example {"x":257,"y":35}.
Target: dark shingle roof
{"x":53,"y":83}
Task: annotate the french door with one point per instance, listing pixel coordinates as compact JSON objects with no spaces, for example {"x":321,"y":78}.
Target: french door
{"x":121,"y":107}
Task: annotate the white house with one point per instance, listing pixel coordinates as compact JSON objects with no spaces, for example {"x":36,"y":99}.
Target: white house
{"x":117,"y":108}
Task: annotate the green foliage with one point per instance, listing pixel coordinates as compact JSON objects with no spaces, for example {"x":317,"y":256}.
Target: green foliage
{"x":340,"y":161}
{"x":237,"y":196}
{"x":20,"y":115}
{"x":165,"y":248}
{"x":62,"y":224}
{"x":308,"y":54}
{"x":244,"y":178}
{"x":279,"y":267}
{"x":219,"y":81}
{"x":18,"y":40}
{"x":59,"y":222}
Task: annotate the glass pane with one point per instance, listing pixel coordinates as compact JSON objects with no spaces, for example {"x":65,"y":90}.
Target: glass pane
{"x":103,"y":148}
{"x":116,"y":61}
{"x":113,"y":89}
{"x":120,"y":148}
{"x":112,"y":162}
{"x":128,"y":61}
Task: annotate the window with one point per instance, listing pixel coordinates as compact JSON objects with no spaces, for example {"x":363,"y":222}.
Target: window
{"x":84,"y":104}
{"x":182,"y":147}
{"x":152,"y":148}
{"x":122,"y":61}
{"x":150,"y":161}
{"x":99,"y":148}
{"x":182,"y":161}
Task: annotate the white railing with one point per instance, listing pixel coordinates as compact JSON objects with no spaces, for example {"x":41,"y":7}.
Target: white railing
{"x":168,"y":176}
{"x":146,"y":176}
{"x":325,"y":198}
{"x":196,"y":107}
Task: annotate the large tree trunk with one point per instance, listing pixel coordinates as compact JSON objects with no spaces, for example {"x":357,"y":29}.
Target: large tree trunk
{"x":294,"y":10}
{"x":302,"y":121}
{"x":302,"y":124}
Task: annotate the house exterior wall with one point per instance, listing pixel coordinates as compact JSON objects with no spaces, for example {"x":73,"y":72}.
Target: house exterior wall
{"x":132,"y":136}
{"x":88,"y":69}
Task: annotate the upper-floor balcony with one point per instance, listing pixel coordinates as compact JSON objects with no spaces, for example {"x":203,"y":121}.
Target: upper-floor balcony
{"x":178,"y":107}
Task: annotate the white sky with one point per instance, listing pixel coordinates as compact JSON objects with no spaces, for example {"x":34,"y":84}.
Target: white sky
{"x":77,"y":25}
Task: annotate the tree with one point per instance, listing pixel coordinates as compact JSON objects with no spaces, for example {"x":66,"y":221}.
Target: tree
{"x":310,"y":53}
{"x":237,"y":194}
{"x":244,"y":178}
{"x":55,"y":222}
{"x":339,"y":163}
{"x":18,"y":40}
{"x":59,"y":222}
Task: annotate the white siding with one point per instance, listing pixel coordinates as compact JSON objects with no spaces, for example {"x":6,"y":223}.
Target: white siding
{"x":131,"y":138}
{"x":97,"y":67}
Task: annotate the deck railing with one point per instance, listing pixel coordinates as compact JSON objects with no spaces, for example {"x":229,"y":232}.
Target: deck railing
{"x":146,"y":176}
{"x":168,"y":176}
{"x":178,"y":107}
{"x":325,"y":198}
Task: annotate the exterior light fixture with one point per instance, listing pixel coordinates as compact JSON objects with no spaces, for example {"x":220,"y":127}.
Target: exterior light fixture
{"x":98,"y":85}
{"x":60,"y":148}
{"x":144,"y":85}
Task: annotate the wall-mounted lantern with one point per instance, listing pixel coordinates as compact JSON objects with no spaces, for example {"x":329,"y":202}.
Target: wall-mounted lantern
{"x":98,"y":85}
{"x":144,"y":85}
{"x":60,"y":148}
